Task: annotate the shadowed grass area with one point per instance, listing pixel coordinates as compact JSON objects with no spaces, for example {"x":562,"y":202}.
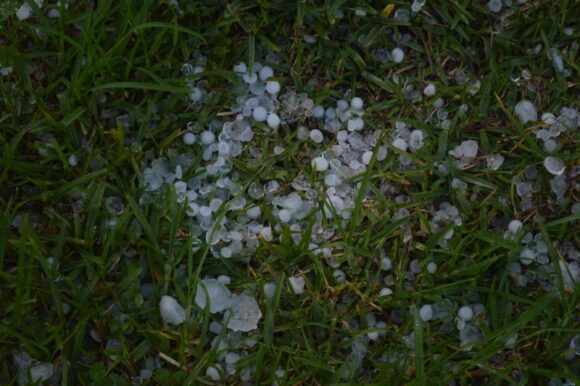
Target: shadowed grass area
{"x":104,"y":83}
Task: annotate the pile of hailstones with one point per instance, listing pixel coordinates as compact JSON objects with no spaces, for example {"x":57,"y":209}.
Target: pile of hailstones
{"x":227,"y":211}
{"x":534,"y":264}
{"x":551,"y":127}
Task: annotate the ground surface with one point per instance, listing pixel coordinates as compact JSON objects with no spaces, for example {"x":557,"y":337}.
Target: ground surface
{"x":85,"y":256}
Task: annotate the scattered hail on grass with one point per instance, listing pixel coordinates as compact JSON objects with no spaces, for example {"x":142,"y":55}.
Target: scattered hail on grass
{"x":235,"y":216}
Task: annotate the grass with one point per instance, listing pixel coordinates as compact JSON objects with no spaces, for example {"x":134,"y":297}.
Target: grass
{"x":126,"y":57}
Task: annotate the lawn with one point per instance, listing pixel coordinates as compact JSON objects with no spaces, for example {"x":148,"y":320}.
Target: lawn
{"x":289,"y":192}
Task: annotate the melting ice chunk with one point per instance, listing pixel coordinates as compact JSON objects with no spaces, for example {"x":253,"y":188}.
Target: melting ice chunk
{"x":244,"y":313}
{"x":171,"y":310}
{"x":297,"y":283}
{"x":220,"y":297}
{"x":526,"y":111}
{"x":554,"y":165}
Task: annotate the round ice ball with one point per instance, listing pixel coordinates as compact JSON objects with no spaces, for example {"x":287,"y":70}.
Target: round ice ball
{"x":514,"y":226}
{"x":432,"y":267}
{"x":426,"y":313}
{"x":250,"y":78}
{"x":189,"y":138}
{"x":284,"y":215}
{"x":320,"y":164}
{"x":260,"y":114}
{"x":356,"y":103}
{"x":469,"y":148}
{"x":273,"y":120}
{"x":366,"y":157}
{"x":397,"y":55}
{"x":400,"y":144}
{"x":386,"y":264}
{"x":73,"y":160}
{"x":273,"y":87}
{"x":430,"y":90}
{"x":266,"y":72}
{"x":318,"y":112}
{"x":554,"y":165}
{"x":355,"y":124}
{"x":465,"y":313}
{"x":207,"y":137}
{"x":316,"y":136}
{"x":241,"y":68}
{"x":526,"y":111}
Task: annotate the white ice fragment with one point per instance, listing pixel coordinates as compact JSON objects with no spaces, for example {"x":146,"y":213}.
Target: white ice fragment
{"x":432,"y":267}
{"x":469,"y":148}
{"x":494,"y":5}
{"x":385,"y":291}
{"x":284,"y":215}
{"x":559,"y":185}
{"x":259,"y":114}
{"x":205,"y":211}
{"x":527,"y":256}
{"x":465,"y":313}
{"x":554,"y":165}
{"x":266,"y":233}
{"x":550,"y":145}
{"x":316,"y":136}
{"x":386,"y":264}
{"x":416,"y":140}
{"x":207,"y":137}
{"x":417,"y":5}
{"x":297,"y":283}
{"x":514,"y":226}
{"x":241,"y":68}
{"x":400,"y":144}
{"x":318,"y":112}
{"x":430,"y":90}
{"x":226,"y":252}
{"x":220,"y":297}
{"x":570,"y":274}
{"x":426,"y":313}
{"x":273,"y":120}
{"x":556,"y":58}
{"x":526,"y":111}
{"x":213,"y":373}
{"x":355,"y":124}
{"x":196,"y":94}
{"x":331,"y":180}
{"x":171,"y":311}
{"x":254,"y":212}
{"x":53,"y":13}
{"x":397,"y":55}
{"x":494,"y":161}
{"x":269,"y":290}
{"x":273,"y":87}
{"x":73,"y":160}
{"x":292,"y":202}
{"x":39,"y":373}
{"x":549,"y":119}
{"x":24,"y":12}
{"x":320,"y":163}
{"x":356,"y":103}
{"x":266,"y":72}
{"x":244,"y":313}
{"x":373,"y":335}
{"x":366,"y":157}
{"x":224,"y":279}
{"x":188,"y":138}
{"x":250,"y":78}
